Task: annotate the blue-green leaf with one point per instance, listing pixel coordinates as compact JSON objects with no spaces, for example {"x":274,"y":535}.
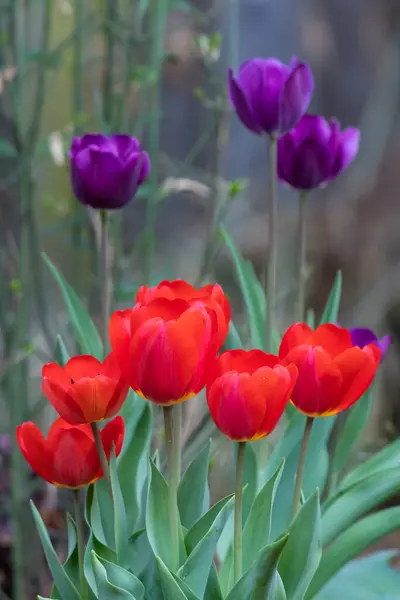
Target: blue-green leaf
{"x":199,"y":529}
{"x":257,"y":529}
{"x":105,"y":589}
{"x":250,"y":478}
{"x":193,"y":492}
{"x":259,"y":582}
{"x":122,"y":578}
{"x":61,"y":353}
{"x":120,"y":523}
{"x":101,"y":551}
{"x":64,"y":584}
{"x":233,"y":341}
{"x":302,"y":553}
{"x":170,"y":587}
{"x":86,"y":332}
{"x":331,"y":311}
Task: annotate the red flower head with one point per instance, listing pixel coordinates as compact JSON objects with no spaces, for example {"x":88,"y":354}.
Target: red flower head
{"x":85,"y":390}
{"x":247,"y":393}
{"x":212,"y":296}
{"x":333,"y":373}
{"x":164,"y":347}
{"x":68,"y":457}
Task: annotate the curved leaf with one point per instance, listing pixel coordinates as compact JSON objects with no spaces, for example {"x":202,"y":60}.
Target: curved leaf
{"x":120,"y":522}
{"x":193,"y":493}
{"x":170,"y":588}
{"x":199,"y":529}
{"x":331,"y":311}
{"x":105,"y":589}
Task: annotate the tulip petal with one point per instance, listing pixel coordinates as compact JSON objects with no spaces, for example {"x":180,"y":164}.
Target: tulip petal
{"x":75,"y":459}
{"x":332,"y":339}
{"x":94,"y":395}
{"x":309,"y":166}
{"x":348,"y":150}
{"x":34,"y":448}
{"x":295,"y":97}
{"x":241,"y":105}
{"x":119,"y":331}
{"x":358,"y":367}
{"x":113,"y":435}
{"x":82,"y":366}
{"x":63,"y":401}
{"x":296,"y":335}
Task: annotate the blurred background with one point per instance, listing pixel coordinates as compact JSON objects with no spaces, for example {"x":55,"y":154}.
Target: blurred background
{"x":156,"y":69}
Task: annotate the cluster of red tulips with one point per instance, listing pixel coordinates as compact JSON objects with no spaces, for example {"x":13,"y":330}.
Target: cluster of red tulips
{"x":167,"y":348}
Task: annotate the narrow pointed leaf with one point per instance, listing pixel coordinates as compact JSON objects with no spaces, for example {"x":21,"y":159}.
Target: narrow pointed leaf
{"x":170,"y":588}
{"x":61,"y":354}
{"x":331,"y":311}
{"x":199,"y":529}
{"x":122,"y":578}
{"x":105,"y":589}
{"x":193,"y":488}
{"x":120,"y":522}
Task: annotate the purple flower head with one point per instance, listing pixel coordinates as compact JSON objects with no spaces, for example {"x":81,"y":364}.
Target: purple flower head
{"x":106,"y":171}
{"x":270,"y":97}
{"x":315,"y":152}
{"x":361,"y":336}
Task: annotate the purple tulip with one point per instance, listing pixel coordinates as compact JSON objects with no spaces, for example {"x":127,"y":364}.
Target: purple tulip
{"x":315,"y":152}
{"x":361,"y":336}
{"x":270,"y":97}
{"x":106,"y":171}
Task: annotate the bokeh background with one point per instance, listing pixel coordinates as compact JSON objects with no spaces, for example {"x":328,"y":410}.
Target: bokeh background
{"x":156,"y":69}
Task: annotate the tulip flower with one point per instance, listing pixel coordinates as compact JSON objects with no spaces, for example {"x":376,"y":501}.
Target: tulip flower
{"x":270,"y":97}
{"x":85,"y":390}
{"x":361,"y":336}
{"x":68,"y":457}
{"x":164,"y":347}
{"x":247,"y":393}
{"x":333,"y":372}
{"x":106,"y":171}
{"x":315,"y":152}
{"x":210,"y":295}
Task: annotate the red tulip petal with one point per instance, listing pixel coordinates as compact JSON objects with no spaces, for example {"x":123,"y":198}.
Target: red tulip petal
{"x":358,"y":367}
{"x":75,"y":458}
{"x":296,"y":335}
{"x":274,"y":385}
{"x":56,"y":374}
{"x":93,"y":396}
{"x":63,"y":401}
{"x":242,"y":361}
{"x":60,"y":425}
{"x":111,"y":367}
{"x":332,"y":338}
{"x":119,"y":331}
{"x":34,"y":447}
{"x":84,"y":366}
{"x":113,"y":434}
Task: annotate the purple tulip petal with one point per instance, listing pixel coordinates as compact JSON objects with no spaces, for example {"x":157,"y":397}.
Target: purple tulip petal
{"x":361,"y":336}
{"x":348,"y":149}
{"x":309,"y":165}
{"x":96,"y":139}
{"x":384,"y":344}
{"x":241,"y":105}
{"x":76,"y":145}
{"x":125,"y":145}
{"x":295,"y":97}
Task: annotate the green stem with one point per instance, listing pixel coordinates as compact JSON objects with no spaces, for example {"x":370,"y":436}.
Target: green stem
{"x":301,"y":256}
{"x":272,"y":246}
{"x":105,"y":278}
{"x":300,"y":468}
{"x":102,"y":457}
{"x":238,"y":518}
{"x":80,"y":538}
{"x":172,"y":416}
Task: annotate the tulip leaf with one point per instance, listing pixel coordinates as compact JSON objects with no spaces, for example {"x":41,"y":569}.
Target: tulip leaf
{"x":213,"y":588}
{"x":259,"y":582}
{"x":171,"y":589}
{"x":61,"y":353}
{"x":93,"y":545}
{"x":357,"y":501}
{"x":302,"y":553}
{"x":105,"y":589}
{"x":250,"y":477}
{"x":257,"y":529}
{"x":195,"y":571}
{"x":248,"y":283}
{"x":351,"y":543}
{"x":85,"y":330}
{"x":233,"y":341}
{"x":99,"y":513}
{"x":61,"y":579}
{"x":353,"y":428}
{"x":193,"y":492}
{"x":199,"y":529}
{"x":133,"y":468}
{"x":331,"y":310}
{"x":122,"y":578}
{"x":157,"y":517}
{"x":120,"y":522}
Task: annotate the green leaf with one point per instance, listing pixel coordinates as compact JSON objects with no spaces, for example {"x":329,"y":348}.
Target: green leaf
{"x":351,"y":543}
{"x":301,"y":555}
{"x":370,"y":578}
{"x":61,"y":353}
{"x":199,"y":529}
{"x":86,"y":332}
{"x":101,"y":551}
{"x":257,"y":529}
{"x":105,"y":589}
{"x":122,"y":578}
{"x":120,"y":522}
{"x":331,"y":311}
{"x":196,"y":569}
{"x":358,"y":500}
{"x":71,"y":533}
{"x":193,"y":492}
{"x":250,"y":478}
{"x":157,"y":517}
{"x":64,"y":584}
{"x":7,"y":150}
{"x":258,"y":582}
{"x":354,"y":426}
{"x":213,"y":588}
{"x":133,"y":467}
{"x":248,"y":283}
{"x":99,"y":513}
{"x":310,"y":319}
{"x":233,"y":341}
{"x":170,"y":587}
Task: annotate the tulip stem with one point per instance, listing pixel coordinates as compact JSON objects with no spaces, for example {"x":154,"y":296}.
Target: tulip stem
{"x":270,"y":275}
{"x":102,"y":457}
{"x":105,"y":279}
{"x":300,"y":468}
{"x":301,"y":256}
{"x":238,"y":518}
{"x":80,"y":539}
{"x":172,"y":427}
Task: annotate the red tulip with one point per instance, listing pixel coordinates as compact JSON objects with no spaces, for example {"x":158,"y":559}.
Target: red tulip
{"x":333,"y":373}
{"x":212,"y":296}
{"x":68,"y":457}
{"x":247,"y":393}
{"x":164,"y":348}
{"x":85,"y":390}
